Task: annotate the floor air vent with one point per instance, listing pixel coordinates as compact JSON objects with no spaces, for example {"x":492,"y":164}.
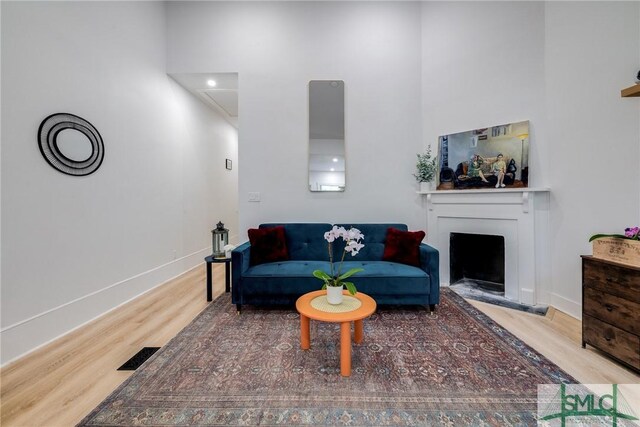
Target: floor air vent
{"x":139,"y":358}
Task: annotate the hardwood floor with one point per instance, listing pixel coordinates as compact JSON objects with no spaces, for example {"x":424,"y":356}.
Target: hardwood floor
{"x":60,"y":383}
{"x":558,"y":337}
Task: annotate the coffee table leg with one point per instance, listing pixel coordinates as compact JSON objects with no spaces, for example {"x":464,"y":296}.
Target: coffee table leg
{"x":345,"y":349}
{"x":305,"y":334}
{"x":358,"y":327}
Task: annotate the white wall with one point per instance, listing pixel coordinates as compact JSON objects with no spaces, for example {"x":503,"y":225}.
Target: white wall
{"x":591,"y":53}
{"x":75,"y":247}
{"x":277,"y":48}
{"x":560,"y":65}
{"x":483,"y":65}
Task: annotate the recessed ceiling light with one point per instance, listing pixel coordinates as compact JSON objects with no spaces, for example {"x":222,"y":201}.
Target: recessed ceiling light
{"x":211,"y":83}
{"x":335,"y":159}
{"x":332,"y":169}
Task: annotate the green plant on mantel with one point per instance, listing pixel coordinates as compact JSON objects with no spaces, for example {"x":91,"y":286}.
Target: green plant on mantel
{"x":425,"y":166}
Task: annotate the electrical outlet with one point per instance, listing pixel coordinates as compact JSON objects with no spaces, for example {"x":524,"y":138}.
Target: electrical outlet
{"x":254,"y":197}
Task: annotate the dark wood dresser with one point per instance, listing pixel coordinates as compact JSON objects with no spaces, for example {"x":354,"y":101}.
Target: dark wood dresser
{"x":611,"y":309}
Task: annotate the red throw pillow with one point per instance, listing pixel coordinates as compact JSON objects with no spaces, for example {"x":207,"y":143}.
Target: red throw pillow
{"x":403,"y":246}
{"x":268,"y":245}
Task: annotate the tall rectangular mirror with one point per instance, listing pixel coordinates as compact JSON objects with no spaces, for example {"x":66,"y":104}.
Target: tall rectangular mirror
{"x":327,"y":167}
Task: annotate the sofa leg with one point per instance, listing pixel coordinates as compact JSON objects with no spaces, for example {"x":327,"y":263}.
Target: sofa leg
{"x":432,"y":309}
{"x":238,"y":307}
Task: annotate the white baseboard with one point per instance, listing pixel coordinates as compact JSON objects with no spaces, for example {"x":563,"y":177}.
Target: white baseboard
{"x":572,"y":308}
{"x":26,"y":336}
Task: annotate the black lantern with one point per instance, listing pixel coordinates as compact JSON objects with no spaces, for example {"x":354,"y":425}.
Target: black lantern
{"x":220,"y":239}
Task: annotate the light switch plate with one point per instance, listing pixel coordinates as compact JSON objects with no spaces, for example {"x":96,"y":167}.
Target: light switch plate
{"x":254,"y":197}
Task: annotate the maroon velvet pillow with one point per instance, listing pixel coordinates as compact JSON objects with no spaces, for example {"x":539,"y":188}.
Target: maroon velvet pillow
{"x":403,"y":246}
{"x":268,"y":245}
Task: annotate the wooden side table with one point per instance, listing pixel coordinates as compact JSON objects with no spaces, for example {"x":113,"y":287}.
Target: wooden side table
{"x":227,"y":272}
{"x":311,"y":306}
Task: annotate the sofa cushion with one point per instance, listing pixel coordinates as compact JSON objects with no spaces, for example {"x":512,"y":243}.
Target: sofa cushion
{"x":383,"y":269}
{"x":403,"y":246}
{"x":268,"y":245}
{"x":283,"y":280}
{"x":287,"y":289}
{"x":292,"y":279}
{"x":379,"y":287}
{"x":382,"y":278}
{"x":374,"y":238}
{"x":305,"y":241}
{"x":289,"y":269}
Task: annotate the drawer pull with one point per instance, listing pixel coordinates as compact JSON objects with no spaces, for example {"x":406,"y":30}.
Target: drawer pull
{"x":608,"y":307}
{"x":607,"y":338}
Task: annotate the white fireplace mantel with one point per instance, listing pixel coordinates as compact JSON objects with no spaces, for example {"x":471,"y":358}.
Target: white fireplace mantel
{"x":520,"y":215}
{"x":488,"y":190}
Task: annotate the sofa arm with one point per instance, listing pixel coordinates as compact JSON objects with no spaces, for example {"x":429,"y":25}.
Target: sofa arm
{"x":430,"y":262}
{"x":240,"y":262}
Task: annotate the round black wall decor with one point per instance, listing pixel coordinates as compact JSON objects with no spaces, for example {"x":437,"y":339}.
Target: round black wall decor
{"x":48,"y":134}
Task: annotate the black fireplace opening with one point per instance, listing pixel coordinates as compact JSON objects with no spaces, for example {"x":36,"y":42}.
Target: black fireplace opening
{"x":478,"y":258}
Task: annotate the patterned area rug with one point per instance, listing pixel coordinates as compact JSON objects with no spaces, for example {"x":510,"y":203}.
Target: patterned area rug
{"x":455,"y":368}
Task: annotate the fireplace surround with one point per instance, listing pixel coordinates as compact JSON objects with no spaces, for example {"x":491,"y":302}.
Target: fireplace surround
{"x":519,"y":215}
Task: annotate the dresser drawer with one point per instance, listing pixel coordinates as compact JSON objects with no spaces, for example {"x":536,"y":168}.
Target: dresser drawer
{"x":618,"y":343}
{"x":610,"y":278}
{"x":614,"y":310}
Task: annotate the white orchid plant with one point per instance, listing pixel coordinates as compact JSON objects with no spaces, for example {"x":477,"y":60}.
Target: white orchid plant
{"x":352,"y":238}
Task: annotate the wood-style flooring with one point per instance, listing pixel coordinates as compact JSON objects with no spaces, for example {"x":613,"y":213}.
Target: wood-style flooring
{"x":60,"y":383}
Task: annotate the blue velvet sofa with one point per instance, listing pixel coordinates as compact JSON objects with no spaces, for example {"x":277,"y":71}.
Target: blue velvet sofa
{"x":281,"y":283}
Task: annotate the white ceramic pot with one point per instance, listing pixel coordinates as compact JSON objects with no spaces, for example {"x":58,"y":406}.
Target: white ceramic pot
{"x":334,"y":295}
{"x":427,"y":186}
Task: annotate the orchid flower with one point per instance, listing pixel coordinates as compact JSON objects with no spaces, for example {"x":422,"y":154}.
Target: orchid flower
{"x":340,"y":232}
{"x":352,"y":245}
{"x":632,"y":232}
{"x":354,"y":234}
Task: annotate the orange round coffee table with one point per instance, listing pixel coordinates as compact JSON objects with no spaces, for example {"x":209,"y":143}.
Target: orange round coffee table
{"x":354,"y":309}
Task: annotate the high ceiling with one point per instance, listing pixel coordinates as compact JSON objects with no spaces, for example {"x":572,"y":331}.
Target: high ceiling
{"x":223,"y":98}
